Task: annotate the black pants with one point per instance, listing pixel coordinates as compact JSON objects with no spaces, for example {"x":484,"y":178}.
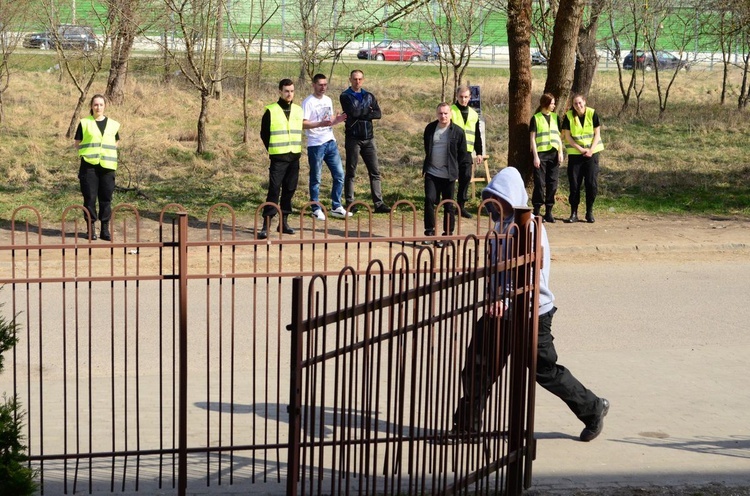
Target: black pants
{"x":464,"y":180}
{"x":487,"y":355}
{"x":97,"y":183}
{"x":546,"y":179}
{"x":435,"y":190}
{"x":583,"y":170}
{"x":369,"y":153}
{"x":283,"y":175}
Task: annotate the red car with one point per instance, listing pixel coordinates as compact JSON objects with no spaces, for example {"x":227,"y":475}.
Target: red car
{"x":394,"y":50}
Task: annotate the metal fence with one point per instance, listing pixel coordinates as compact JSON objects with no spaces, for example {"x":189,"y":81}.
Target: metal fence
{"x":161,"y":362}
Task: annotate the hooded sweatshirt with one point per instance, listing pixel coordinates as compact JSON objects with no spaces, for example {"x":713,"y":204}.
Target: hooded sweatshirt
{"x":508,"y":185}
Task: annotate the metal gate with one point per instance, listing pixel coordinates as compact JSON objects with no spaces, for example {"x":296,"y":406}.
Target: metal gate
{"x":159,"y":362}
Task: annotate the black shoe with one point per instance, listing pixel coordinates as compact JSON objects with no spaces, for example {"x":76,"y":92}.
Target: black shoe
{"x":382,"y":209}
{"x":590,"y":218}
{"x":592,"y":430}
{"x":352,"y":208}
{"x":263,"y":233}
{"x":104,"y":233}
{"x":465,"y":213}
{"x":573,"y":218}
{"x":549,"y":218}
{"x":93,"y":235}
{"x":286,"y":228}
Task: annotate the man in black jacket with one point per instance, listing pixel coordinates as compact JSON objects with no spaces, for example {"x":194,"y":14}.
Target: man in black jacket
{"x":361,"y":108}
{"x":445,"y":154}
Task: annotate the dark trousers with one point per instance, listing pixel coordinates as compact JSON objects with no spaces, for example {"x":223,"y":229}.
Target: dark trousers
{"x":97,"y":183}
{"x":369,"y":153}
{"x":464,"y":179}
{"x":435,"y":190}
{"x":583,"y":170}
{"x":545,"y":180}
{"x":283,"y":175}
{"x":487,"y":355}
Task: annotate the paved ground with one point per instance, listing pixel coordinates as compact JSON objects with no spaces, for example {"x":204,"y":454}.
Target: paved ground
{"x":653,"y":315}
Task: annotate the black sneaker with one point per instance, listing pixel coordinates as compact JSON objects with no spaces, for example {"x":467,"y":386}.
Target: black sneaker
{"x":593,"y":429}
{"x":382,"y":209}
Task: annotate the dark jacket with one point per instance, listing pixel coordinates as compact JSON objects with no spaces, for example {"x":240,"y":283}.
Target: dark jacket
{"x":457,"y":154}
{"x":359,"y":114}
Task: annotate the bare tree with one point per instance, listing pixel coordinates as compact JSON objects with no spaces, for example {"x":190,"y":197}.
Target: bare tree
{"x":519,"y":85}
{"x":124,"y":18}
{"x":13,"y":13}
{"x":543,"y":15}
{"x":681,"y":33}
{"x":587,"y":57}
{"x":81,"y":64}
{"x":454,"y":24}
{"x":246,"y":40}
{"x":563,"y":52}
{"x":195,"y":23}
{"x":626,"y":25}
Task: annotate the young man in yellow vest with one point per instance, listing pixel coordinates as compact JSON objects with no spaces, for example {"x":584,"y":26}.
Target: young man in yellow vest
{"x":281,"y":132}
{"x":467,"y":119}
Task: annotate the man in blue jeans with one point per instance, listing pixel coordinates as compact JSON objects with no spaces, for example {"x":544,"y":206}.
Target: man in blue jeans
{"x":318,"y":121}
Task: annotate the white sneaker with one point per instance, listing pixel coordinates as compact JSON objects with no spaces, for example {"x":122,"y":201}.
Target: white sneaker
{"x":318,"y":214}
{"x":339,"y":212}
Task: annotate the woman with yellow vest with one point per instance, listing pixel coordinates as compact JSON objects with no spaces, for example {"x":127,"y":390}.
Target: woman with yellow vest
{"x":547,"y":150}
{"x":583,"y":142}
{"x":96,"y":140}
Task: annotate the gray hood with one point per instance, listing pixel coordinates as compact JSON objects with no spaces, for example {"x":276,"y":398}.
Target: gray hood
{"x":508,"y":185}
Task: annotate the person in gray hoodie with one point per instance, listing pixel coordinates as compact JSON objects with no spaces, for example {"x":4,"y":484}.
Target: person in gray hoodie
{"x":482,"y":369}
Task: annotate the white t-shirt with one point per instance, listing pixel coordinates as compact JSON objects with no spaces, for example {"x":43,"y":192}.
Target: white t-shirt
{"x":316,"y":110}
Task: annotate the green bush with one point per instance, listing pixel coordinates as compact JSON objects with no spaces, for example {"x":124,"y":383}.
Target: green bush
{"x":16,"y":477}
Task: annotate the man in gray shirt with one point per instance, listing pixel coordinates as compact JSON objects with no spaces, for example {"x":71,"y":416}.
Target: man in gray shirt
{"x":445,"y":153}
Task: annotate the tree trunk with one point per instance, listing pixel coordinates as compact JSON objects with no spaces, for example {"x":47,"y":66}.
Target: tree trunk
{"x":519,"y":85}
{"x":219,"y":52}
{"x":122,"y":44}
{"x":75,"y":118}
{"x":587,"y":59}
{"x":563,"y":51}
{"x":203,"y":120}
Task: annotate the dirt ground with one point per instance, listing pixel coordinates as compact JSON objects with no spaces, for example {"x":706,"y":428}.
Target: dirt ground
{"x":709,"y":490}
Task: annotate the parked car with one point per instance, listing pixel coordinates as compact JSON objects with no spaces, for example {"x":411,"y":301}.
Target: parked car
{"x":644,"y":60}
{"x":431,"y":51}
{"x":395,"y":50}
{"x":66,"y":36}
{"x":538,"y":59}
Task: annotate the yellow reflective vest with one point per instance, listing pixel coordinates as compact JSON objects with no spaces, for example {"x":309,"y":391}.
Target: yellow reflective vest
{"x":547,"y":135}
{"x":97,"y":148}
{"x":286,"y":134}
{"x":583,"y":135}
{"x":469,"y":126}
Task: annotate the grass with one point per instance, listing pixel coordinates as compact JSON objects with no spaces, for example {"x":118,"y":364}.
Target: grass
{"x":692,"y":161}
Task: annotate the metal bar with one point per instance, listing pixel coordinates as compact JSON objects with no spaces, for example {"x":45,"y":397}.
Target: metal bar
{"x":183,"y":358}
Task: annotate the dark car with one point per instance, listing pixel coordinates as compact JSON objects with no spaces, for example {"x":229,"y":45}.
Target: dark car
{"x":66,"y":36}
{"x":395,"y":50}
{"x":538,"y":59}
{"x":645,"y":60}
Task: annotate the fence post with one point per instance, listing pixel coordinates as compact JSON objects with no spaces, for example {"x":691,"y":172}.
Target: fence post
{"x":519,"y":362}
{"x":295,"y":394}
{"x":183,"y":360}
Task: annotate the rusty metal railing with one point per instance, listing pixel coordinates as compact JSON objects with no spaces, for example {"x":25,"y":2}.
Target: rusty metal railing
{"x":160,"y":360}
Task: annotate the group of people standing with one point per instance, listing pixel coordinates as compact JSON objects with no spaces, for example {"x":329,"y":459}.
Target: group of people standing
{"x":281,"y":130}
{"x":580,"y":130}
{"x":452,"y":144}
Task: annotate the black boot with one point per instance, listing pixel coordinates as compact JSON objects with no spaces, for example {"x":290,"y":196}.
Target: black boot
{"x":548,"y":215}
{"x":573,"y":215}
{"x":104,"y":233}
{"x":464,"y":213}
{"x":263,"y":233}
{"x":284,"y":226}
{"x":537,"y":208}
{"x":590,"y":217}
